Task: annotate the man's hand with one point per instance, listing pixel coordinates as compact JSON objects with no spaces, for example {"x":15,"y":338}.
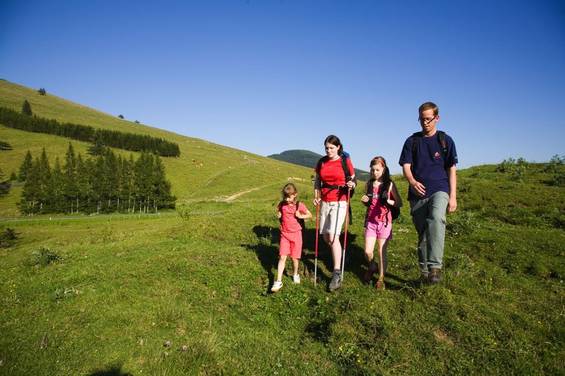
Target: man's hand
{"x":418,"y":188}
{"x":452,"y":205}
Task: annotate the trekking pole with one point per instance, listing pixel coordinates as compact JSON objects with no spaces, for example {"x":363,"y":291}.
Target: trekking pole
{"x":345,"y":235}
{"x":316,"y":247}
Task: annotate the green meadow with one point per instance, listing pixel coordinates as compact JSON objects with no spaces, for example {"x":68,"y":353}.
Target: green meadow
{"x":186,"y":291}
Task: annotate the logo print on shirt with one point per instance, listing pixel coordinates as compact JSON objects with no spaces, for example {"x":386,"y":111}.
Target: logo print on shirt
{"x":436,"y":155}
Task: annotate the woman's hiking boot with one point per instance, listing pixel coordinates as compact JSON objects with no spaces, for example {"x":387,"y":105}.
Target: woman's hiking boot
{"x":380,"y":285}
{"x":335,"y":283}
{"x":435,"y":276}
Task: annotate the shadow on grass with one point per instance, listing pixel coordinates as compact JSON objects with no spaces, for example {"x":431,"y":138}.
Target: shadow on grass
{"x":267,"y":252}
{"x":113,"y":370}
{"x":266,"y":249}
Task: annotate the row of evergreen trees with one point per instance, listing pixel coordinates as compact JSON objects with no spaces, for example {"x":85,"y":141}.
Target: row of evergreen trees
{"x":121,"y":140}
{"x":105,"y":183}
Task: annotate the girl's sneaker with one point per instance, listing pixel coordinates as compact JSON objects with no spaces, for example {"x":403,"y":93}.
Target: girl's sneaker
{"x":296,"y":278}
{"x":277,"y":285}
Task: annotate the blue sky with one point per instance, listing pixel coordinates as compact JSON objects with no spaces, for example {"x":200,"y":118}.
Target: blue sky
{"x":268,"y":76}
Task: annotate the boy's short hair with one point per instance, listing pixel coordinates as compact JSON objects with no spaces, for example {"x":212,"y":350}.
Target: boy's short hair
{"x":429,"y":106}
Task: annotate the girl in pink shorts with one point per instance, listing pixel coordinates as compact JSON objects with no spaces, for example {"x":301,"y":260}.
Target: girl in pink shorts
{"x":291,"y":214}
{"x":380,"y":196}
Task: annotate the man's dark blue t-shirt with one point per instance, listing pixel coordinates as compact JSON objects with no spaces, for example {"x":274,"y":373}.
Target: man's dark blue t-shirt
{"x":429,"y":164}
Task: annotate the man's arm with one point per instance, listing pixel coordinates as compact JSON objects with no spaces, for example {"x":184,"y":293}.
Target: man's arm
{"x":415,"y":185}
{"x":452,"y":204}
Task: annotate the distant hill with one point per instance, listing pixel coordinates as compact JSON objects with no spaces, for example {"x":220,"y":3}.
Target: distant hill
{"x":308,"y":158}
{"x":204,"y":170}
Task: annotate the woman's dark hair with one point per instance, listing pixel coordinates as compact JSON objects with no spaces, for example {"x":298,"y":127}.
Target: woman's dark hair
{"x":334,"y":140}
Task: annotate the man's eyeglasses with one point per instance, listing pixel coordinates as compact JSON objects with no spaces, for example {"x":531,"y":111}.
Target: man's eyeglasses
{"x":426,"y":121}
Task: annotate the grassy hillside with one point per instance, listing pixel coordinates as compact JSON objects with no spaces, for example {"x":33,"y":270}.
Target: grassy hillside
{"x":186,"y":292}
{"x":309,"y":159}
{"x":203,"y":171}
{"x":125,"y":285}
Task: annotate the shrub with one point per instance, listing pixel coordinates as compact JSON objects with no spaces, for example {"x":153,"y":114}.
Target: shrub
{"x":5,"y":145}
{"x":183,"y":211}
{"x":26,"y":108}
{"x":8,"y":237}
{"x":44,"y":256}
{"x":515,"y":167}
{"x":42,"y":91}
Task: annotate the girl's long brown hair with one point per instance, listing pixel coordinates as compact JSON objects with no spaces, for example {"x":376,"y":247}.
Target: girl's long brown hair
{"x":386,"y":173}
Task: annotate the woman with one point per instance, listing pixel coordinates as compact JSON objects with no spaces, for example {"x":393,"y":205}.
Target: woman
{"x":335,"y":177}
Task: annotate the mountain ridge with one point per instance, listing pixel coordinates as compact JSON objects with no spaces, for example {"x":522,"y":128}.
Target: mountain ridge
{"x":309,"y":159}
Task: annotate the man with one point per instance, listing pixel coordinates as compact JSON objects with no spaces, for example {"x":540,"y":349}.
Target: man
{"x":428,"y":162}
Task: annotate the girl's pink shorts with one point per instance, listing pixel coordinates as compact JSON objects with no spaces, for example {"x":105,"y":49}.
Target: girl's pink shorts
{"x":379,"y":230}
{"x":291,"y":244}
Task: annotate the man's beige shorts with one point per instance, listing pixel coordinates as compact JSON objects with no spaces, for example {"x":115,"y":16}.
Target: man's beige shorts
{"x":332,"y":216}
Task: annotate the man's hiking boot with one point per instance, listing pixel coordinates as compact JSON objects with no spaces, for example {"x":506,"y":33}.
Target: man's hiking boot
{"x":372,"y":269}
{"x":435,"y":276}
{"x":277,"y":285}
{"x":335,"y":283}
{"x":380,"y":285}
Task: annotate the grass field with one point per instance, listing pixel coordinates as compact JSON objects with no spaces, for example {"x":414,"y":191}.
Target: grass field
{"x":186,"y":291}
{"x":125,"y":285}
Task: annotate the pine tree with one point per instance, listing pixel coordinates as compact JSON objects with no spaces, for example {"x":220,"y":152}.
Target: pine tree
{"x":44,"y":179}
{"x":70,"y":179}
{"x":26,"y":108}
{"x":29,"y":203}
{"x":98,"y":147}
{"x":84,"y":185}
{"x":129,"y":182}
{"x":56,"y":200}
{"x":162,"y":187}
{"x":143,"y":181}
{"x":25,"y":167}
{"x":4,"y":184}
{"x":112,"y":172}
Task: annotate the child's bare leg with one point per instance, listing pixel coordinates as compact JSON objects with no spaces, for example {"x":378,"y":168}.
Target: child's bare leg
{"x":295,"y":263}
{"x":369,"y":255}
{"x":280,"y":267}
{"x":369,"y":249}
{"x":383,"y":243}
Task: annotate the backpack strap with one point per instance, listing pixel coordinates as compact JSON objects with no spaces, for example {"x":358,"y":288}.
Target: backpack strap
{"x":369,"y":193}
{"x":346,"y":172}
{"x":442,"y":143}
